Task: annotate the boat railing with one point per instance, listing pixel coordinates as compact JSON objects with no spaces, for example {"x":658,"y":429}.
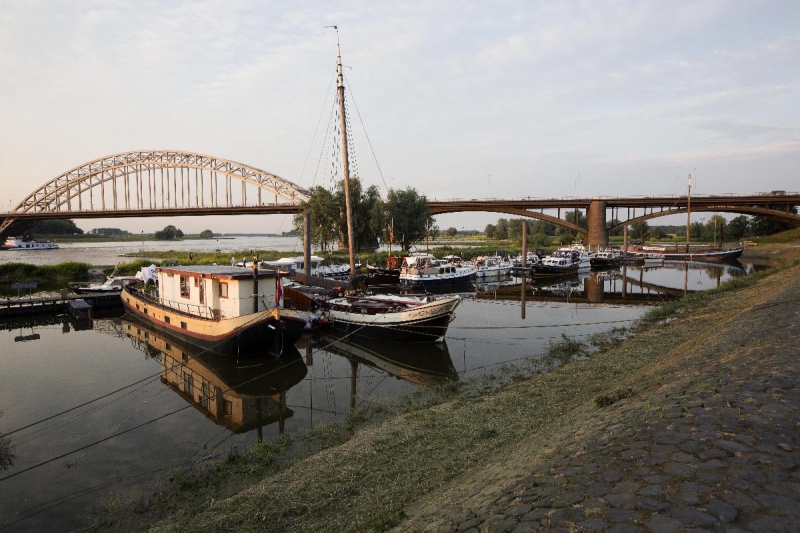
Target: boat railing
{"x":202,"y":311}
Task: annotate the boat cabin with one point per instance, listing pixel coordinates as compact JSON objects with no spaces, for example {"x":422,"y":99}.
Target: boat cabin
{"x":222,"y":291}
{"x":295,"y":264}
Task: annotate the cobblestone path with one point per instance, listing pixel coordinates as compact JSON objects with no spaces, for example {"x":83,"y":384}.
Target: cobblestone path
{"x":707,"y":442}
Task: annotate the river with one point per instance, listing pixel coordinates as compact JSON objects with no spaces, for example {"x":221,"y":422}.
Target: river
{"x":98,"y":410}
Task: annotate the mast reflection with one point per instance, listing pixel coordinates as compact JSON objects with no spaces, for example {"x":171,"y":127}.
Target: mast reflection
{"x":239,"y":394}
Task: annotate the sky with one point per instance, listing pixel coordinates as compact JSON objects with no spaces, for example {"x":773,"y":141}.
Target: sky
{"x":458,"y":99}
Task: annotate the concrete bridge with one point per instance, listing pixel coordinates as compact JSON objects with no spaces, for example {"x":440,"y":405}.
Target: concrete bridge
{"x":164,"y":183}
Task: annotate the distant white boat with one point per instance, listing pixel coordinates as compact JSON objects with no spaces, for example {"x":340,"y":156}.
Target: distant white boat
{"x":297,"y":264}
{"x":20,"y":243}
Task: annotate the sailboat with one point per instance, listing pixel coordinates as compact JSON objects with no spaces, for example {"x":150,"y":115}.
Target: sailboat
{"x":389,"y":317}
{"x":699,"y":253}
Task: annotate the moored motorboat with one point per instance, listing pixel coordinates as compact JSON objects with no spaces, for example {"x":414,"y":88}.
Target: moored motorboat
{"x":560,"y":263}
{"x":606,"y":258}
{"x":424,"y":271}
{"x":223,"y":309}
{"x":492,"y":267}
{"x":112,"y":284}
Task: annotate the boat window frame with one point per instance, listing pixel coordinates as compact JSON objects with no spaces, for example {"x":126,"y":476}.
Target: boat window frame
{"x":223,"y":289}
{"x":185,"y":286}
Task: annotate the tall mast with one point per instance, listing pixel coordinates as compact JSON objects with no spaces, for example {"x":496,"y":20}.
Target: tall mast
{"x":688,"y":213}
{"x":345,"y":158}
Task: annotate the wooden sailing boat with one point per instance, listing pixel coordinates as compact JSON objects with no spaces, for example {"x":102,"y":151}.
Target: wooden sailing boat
{"x":673,"y":253}
{"x":385,"y":317}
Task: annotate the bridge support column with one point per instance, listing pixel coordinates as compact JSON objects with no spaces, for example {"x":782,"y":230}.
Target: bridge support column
{"x":596,"y":223}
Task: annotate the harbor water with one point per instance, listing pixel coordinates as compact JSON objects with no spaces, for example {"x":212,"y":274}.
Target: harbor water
{"x":102,"y":410}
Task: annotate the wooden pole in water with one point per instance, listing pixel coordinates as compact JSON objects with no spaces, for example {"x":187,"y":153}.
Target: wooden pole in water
{"x":625,"y":240}
{"x":255,"y":283}
{"x":688,"y":213}
{"x":524,"y":265}
{"x":307,"y":243}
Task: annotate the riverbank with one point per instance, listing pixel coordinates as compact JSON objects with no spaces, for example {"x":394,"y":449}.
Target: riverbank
{"x":684,"y":424}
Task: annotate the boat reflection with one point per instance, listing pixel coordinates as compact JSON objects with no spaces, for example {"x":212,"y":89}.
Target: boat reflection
{"x":241,"y":394}
{"x":423,"y":365}
{"x":626,"y":284}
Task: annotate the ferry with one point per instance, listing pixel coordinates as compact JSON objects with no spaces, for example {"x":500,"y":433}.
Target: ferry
{"x":20,"y":243}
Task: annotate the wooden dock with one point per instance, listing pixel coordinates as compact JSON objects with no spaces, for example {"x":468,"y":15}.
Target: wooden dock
{"x":14,"y":306}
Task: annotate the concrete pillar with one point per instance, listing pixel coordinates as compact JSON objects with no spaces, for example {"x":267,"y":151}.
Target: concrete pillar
{"x":596,"y":223}
{"x":593,"y":287}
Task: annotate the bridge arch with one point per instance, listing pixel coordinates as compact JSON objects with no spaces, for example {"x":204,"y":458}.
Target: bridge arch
{"x":776,"y":214}
{"x":514,"y":211}
{"x":132,"y":183}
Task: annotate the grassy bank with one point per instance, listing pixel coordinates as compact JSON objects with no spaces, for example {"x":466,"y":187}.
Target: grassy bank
{"x":389,"y":461}
{"x":59,"y":273}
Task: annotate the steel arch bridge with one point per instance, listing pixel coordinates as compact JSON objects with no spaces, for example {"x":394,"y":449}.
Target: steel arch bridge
{"x":158,"y":183}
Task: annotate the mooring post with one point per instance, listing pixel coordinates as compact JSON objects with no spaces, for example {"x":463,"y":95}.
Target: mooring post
{"x":255,"y":283}
{"x":307,"y":243}
{"x":524,"y":265}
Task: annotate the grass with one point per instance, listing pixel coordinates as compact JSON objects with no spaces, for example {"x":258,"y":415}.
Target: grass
{"x":62,"y":271}
{"x":372,"y":473}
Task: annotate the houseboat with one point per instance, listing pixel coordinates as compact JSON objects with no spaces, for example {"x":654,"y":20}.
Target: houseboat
{"x":223,"y":309}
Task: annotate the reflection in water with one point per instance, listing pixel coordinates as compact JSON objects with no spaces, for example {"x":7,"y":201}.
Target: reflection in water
{"x":624,"y":285}
{"x":424,"y":365}
{"x":239,"y":394}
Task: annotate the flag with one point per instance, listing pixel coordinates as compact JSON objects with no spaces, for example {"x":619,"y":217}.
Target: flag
{"x":279,"y":292}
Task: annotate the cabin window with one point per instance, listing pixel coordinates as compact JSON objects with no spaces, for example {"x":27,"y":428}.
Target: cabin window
{"x":202,"y":287}
{"x":166,"y":319}
{"x":223,"y":290}
{"x":167,"y":347}
{"x":184,"y":286}
{"x":184,"y":325}
{"x":228,"y":407}
{"x":184,"y":357}
{"x":204,"y":394}
{"x":196,"y":282}
{"x":187,"y":384}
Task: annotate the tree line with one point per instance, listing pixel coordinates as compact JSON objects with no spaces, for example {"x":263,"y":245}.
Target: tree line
{"x":403,"y":217}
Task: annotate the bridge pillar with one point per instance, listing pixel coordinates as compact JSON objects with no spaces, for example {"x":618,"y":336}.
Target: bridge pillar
{"x":596,"y":223}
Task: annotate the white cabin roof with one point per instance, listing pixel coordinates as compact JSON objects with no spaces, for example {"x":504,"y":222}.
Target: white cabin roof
{"x":217,"y":271}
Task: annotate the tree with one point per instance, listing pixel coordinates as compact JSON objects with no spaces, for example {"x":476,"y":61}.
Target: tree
{"x":409,"y":215}
{"x":617,"y":224}
{"x":515,"y":229}
{"x":206,"y":234}
{"x":713,"y":227}
{"x":640,"y":230}
{"x":169,"y":233}
{"x":490,"y":231}
{"x":767,"y":226}
{"x":502,"y":229}
{"x":324,"y":211}
{"x":451,"y":232}
{"x":737,"y":228}
{"x":56,"y":227}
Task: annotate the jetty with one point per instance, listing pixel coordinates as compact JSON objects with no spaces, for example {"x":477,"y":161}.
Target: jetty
{"x":56,"y":303}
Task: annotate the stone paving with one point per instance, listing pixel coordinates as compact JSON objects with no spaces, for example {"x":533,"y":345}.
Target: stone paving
{"x":715,"y":448}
